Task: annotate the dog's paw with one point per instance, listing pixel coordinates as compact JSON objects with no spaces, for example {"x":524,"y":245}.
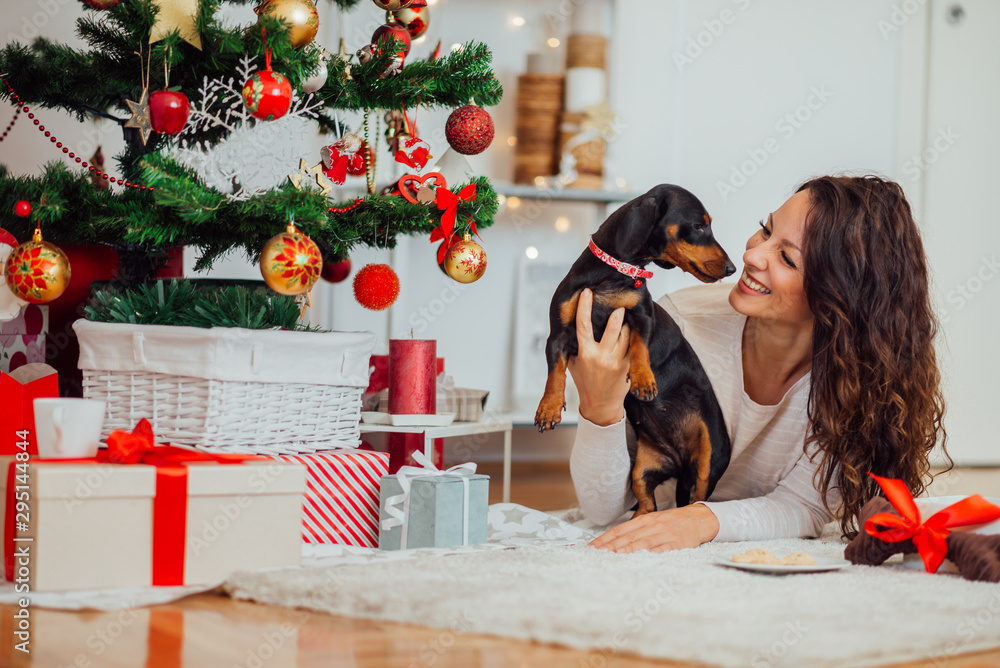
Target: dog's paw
{"x":549,"y":414}
{"x":643,"y":386}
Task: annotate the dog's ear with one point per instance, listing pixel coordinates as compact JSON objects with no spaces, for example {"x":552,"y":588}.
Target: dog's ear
{"x":638,"y":222}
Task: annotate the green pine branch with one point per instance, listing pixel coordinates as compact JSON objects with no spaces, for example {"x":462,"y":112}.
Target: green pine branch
{"x":183,"y":211}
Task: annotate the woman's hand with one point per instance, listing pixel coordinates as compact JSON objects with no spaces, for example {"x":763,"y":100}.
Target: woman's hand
{"x":600,"y":370}
{"x":662,"y":531}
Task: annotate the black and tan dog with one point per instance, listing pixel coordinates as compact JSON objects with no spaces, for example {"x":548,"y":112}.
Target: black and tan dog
{"x":677,"y":420}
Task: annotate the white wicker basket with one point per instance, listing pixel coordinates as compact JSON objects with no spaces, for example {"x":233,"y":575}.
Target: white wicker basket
{"x":228,"y":389}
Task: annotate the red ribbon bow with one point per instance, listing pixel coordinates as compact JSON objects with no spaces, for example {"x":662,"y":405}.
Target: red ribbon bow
{"x":448,"y":201}
{"x":437,"y":234}
{"x":928,"y":537}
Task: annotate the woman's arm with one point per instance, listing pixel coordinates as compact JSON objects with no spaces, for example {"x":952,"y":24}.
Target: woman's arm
{"x":794,"y":509}
{"x":599,"y":463}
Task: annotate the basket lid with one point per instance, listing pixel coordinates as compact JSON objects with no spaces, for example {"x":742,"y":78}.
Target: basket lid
{"x":227,"y":353}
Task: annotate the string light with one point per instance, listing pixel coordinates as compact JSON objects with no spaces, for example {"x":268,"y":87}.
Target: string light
{"x":553,"y":42}
{"x":518,"y":21}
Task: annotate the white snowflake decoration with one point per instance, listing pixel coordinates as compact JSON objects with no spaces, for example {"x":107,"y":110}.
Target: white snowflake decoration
{"x":257,"y":155}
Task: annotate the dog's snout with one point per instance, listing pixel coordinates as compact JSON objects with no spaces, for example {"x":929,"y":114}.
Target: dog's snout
{"x":730,"y":269}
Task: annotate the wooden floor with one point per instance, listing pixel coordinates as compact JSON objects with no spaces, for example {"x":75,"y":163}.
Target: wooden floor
{"x":213,"y":631}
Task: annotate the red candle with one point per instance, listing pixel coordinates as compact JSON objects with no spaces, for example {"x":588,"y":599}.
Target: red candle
{"x":412,"y":377}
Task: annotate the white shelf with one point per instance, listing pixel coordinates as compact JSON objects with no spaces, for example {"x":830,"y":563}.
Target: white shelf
{"x":565,"y":194}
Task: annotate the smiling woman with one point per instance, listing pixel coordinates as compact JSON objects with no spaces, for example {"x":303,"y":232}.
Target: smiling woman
{"x":822,"y":359}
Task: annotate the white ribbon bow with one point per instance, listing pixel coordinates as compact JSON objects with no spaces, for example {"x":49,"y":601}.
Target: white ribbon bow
{"x":397,"y":516}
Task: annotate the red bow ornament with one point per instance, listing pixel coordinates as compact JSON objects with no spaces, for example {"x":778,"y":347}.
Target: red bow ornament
{"x":928,"y":536}
{"x":448,"y":201}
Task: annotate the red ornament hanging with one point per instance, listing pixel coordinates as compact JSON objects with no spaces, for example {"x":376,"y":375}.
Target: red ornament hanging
{"x":168,"y":111}
{"x":394,"y":30}
{"x":469,"y":130}
{"x":393,"y":5}
{"x":413,"y":152}
{"x":22,"y":208}
{"x":376,"y":287}
{"x":416,"y":19}
{"x":101,"y":4}
{"x":267,"y":94}
{"x":343,"y":157}
{"x":336,"y":272}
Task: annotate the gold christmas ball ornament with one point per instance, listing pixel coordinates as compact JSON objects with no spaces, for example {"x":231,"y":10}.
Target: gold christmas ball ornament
{"x":465,"y":261}
{"x":37,"y":271}
{"x":393,"y":5}
{"x":291,"y":262}
{"x":300,"y":15}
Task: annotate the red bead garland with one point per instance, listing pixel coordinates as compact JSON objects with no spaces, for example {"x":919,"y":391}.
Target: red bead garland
{"x":41,"y":128}
{"x":10,"y":125}
{"x":345,"y":209}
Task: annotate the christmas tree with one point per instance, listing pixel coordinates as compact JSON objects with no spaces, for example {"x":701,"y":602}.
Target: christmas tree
{"x":139,"y":49}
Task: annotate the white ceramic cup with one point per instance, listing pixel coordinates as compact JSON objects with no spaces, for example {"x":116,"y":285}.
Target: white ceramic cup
{"x":68,"y":428}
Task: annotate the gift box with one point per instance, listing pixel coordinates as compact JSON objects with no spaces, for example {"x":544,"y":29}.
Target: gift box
{"x":182,"y":518}
{"x":18,"y":391}
{"x":22,"y":340}
{"x":426,"y":507}
{"x":342,"y":496}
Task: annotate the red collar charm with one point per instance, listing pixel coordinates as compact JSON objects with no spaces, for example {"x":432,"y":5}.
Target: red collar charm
{"x":638,"y":273}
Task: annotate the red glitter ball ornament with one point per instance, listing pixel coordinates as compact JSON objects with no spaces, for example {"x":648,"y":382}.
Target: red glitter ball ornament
{"x":469,"y":130}
{"x":22,"y":209}
{"x":376,"y":287}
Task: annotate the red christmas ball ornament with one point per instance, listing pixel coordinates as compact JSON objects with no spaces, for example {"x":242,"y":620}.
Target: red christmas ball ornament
{"x":267,"y":95}
{"x":393,"y":5}
{"x":101,"y":4}
{"x":469,"y":130}
{"x":416,"y":19}
{"x":337,"y":271}
{"x":394,"y":30}
{"x":376,"y":287}
{"x":168,"y":111}
{"x":22,"y":208}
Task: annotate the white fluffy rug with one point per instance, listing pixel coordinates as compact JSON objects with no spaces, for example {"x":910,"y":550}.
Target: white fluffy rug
{"x":675,"y":606}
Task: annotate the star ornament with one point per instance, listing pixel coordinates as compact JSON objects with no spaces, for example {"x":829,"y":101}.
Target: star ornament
{"x":140,"y":116}
{"x":176,"y":15}
{"x":307,"y":173}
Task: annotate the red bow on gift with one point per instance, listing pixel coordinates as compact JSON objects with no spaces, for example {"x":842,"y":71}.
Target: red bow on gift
{"x":928,"y":537}
{"x":126,"y":448}
{"x":448,"y":201}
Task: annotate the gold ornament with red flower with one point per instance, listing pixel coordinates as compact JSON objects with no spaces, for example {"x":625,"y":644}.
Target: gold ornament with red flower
{"x":465,"y":261}
{"x":291,"y":262}
{"x":37,"y":271}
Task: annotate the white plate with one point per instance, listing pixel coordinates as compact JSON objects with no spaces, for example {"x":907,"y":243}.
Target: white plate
{"x":439,"y":420}
{"x":374,"y":417}
{"x":822,"y":564}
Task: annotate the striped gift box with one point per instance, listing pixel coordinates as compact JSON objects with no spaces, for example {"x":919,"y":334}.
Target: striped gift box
{"x":341,"y":504}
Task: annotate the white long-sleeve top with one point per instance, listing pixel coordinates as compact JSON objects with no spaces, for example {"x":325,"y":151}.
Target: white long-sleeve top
{"x":767,"y":491}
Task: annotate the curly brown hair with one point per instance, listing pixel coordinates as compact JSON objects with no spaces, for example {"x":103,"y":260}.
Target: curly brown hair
{"x":875,"y":404}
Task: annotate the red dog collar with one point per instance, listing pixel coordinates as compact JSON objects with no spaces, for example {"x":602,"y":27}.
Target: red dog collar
{"x":632,"y":271}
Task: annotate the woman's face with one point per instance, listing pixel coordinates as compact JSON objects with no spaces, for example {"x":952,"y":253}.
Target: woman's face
{"x":771,"y":286}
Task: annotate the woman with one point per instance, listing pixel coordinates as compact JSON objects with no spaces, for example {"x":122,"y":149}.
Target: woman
{"x":821,"y":357}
